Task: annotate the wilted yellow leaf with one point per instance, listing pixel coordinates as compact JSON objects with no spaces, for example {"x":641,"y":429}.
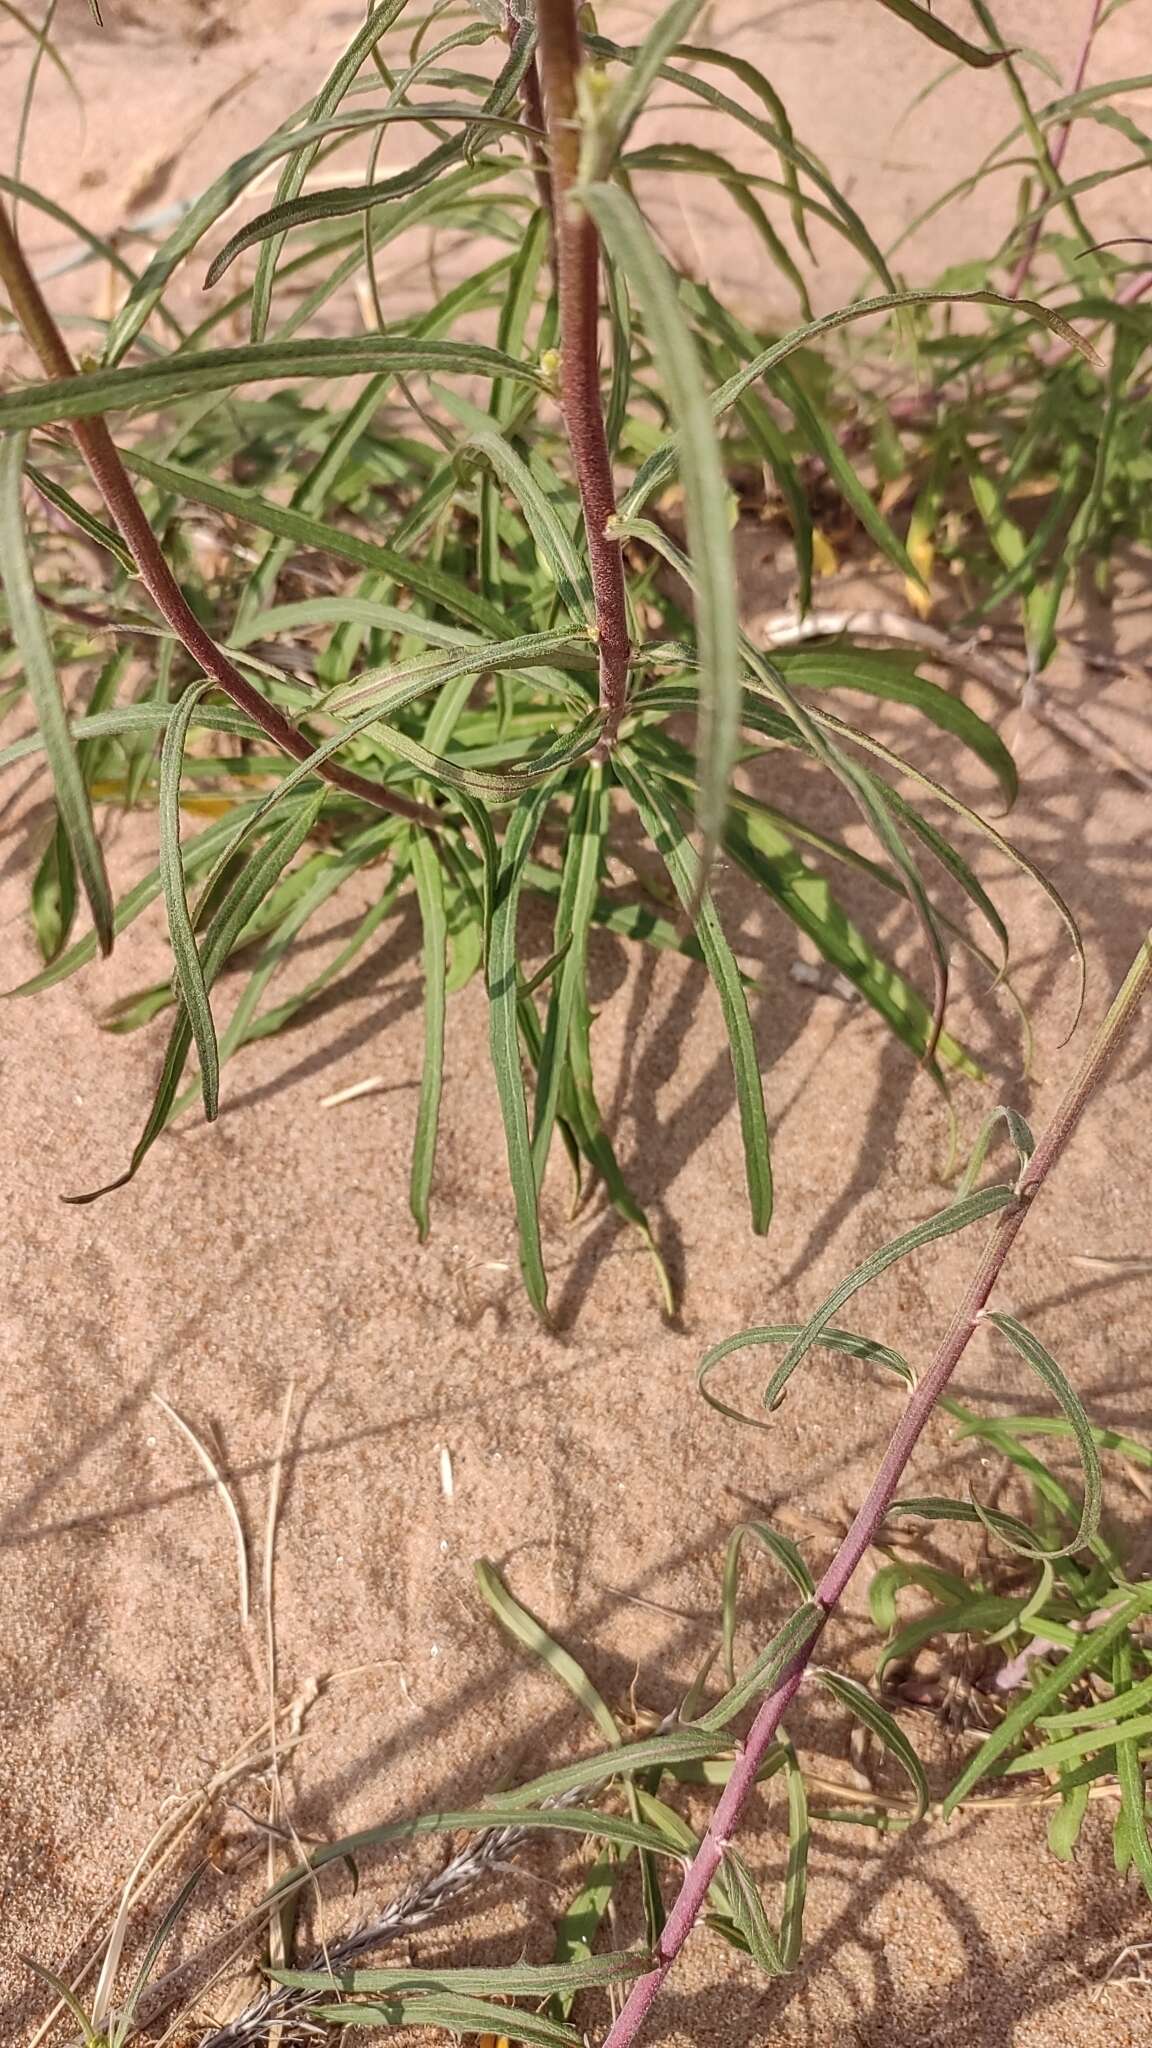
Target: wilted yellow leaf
{"x":922,"y":550}
{"x":825,"y":560}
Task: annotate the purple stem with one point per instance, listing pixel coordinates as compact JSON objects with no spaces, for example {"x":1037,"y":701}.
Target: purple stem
{"x":112,"y":481}
{"x":865,"y":1528}
{"x":577,"y":256}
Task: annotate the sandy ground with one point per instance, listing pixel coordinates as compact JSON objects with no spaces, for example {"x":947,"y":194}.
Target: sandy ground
{"x":275,"y":1250}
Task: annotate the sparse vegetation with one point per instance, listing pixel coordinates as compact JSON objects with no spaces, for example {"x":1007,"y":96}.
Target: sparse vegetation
{"x":459,"y":620}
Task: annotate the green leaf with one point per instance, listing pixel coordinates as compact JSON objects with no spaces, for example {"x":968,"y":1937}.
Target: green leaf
{"x":945,"y":1223}
{"x":795,"y":1638}
{"x":1046,"y":1368}
{"x":292,"y":177}
{"x":429,"y":881}
{"x":422,"y":578}
{"x":896,"y":680}
{"x":786,"y":1333}
{"x":534,"y":1637}
{"x":1067,"y":1820}
{"x":663,"y":462}
{"x":669,"y":837}
{"x":391,"y":687}
{"x":584,"y":851}
{"x":1044,"y":1694}
{"x":1018,"y":1132}
{"x":921,"y":18}
{"x":555,"y":544}
{"x":68,"y":1999}
{"x":497,"y":1813}
{"x":580,"y":1922}
{"x":196,"y":857}
{"x":1116,"y":1708}
{"x":777,"y":1546}
{"x":190,"y":374}
{"x":234,"y":900}
{"x":747,"y":1909}
{"x":512,"y":1980}
{"x":778,"y":137}
{"x":1133,"y":1815}
{"x":768,"y":856}
{"x":189,"y":973}
{"x":706,"y":497}
{"x":504,"y":1029}
{"x":34,"y":648}
{"x":626,"y":1760}
{"x":295,"y":210}
{"x":450,"y":2012}
{"x":867,"y":1708}
{"x":86,"y":522}
{"x":796,"y":1875}
{"x":938,"y":1508}
{"x":607,"y":132}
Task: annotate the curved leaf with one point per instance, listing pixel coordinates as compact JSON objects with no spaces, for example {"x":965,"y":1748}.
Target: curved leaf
{"x":35,"y":651}
{"x":189,"y":972}
{"x":222,"y":369}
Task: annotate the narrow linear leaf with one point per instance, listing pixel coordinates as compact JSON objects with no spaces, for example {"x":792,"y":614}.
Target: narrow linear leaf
{"x":1043,"y":1695}
{"x":187,"y":375}
{"x":706,"y":497}
{"x":504,"y":1032}
{"x":865,"y":1707}
{"x":844,"y":1341}
{"x":185,"y":956}
{"x":1045,"y":1367}
{"x":236,"y":899}
{"x":453,"y":2013}
{"x":663,"y":462}
{"x":777,"y":1546}
{"x":512,"y":1980}
{"x":429,"y":880}
{"x":526,"y":1630}
{"x":797,"y":1634}
{"x":929,"y":25}
{"x":668,"y":835}
{"x":35,"y":651}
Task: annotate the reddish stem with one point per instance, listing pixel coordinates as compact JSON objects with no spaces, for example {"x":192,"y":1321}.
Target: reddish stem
{"x":866,"y":1527}
{"x":112,"y":481}
{"x":532,"y":101}
{"x":577,"y":252}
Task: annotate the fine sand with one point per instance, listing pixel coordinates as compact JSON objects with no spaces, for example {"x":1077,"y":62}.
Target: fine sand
{"x":274,"y":1252}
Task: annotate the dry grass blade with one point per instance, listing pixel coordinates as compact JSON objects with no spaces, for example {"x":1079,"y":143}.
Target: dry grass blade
{"x":226,"y":1496}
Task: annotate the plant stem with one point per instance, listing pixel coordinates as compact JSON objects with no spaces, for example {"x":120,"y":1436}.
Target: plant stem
{"x":1045,"y":163}
{"x":881,"y":1493}
{"x":577,"y":251}
{"x":1059,"y":146}
{"x":532,"y":102}
{"x":112,"y":481}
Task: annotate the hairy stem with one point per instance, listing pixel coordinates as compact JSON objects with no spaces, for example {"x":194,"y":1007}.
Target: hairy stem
{"x":532,"y":103}
{"x":577,"y":252}
{"x":881,"y":1493}
{"x":112,"y":481}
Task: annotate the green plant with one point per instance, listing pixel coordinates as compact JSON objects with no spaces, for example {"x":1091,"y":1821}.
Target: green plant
{"x":1073,"y":1667}
{"x":484,"y":696}
{"x":1059,"y":1637}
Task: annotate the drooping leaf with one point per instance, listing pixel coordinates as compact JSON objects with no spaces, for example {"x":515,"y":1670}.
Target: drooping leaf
{"x":189,"y":972}
{"x":560,"y":1662}
{"x":28,"y":632}
{"x":705,"y":497}
{"x":668,"y":835}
